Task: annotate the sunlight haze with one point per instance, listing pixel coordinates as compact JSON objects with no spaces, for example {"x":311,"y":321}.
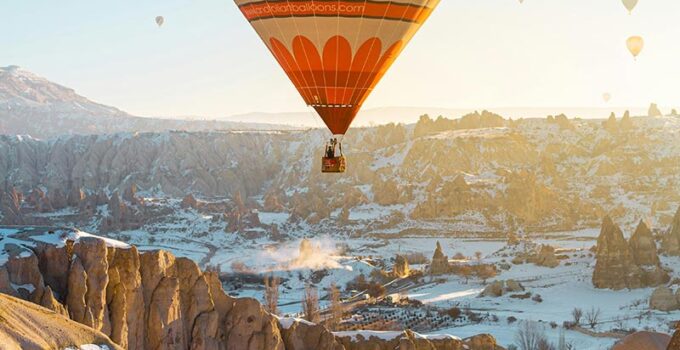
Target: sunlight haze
{"x":207,"y":62}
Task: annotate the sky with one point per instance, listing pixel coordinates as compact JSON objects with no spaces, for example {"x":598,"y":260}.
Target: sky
{"x":207,"y":60}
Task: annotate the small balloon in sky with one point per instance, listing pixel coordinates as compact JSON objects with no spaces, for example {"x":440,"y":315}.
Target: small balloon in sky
{"x":630,"y":5}
{"x":606,"y":97}
{"x":160,"y":20}
{"x":521,"y":1}
{"x":635,"y":45}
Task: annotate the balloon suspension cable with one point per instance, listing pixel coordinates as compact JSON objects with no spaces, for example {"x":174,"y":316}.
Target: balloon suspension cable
{"x":315,"y":120}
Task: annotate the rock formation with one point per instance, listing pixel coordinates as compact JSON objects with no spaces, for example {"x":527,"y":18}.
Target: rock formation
{"x":272,"y":203}
{"x":153,"y":300}
{"x":626,"y":122}
{"x":615,"y":267}
{"x":499,"y":288}
{"x":675,"y":341}
{"x":643,"y":248}
{"x":10,"y":207}
{"x":545,"y":257}
{"x":190,"y":202}
{"x":24,"y":325}
{"x":654,"y":111}
{"x":440,"y":262}
{"x":396,"y":340}
{"x":670,"y":244}
{"x":401,"y":268}
{"x":409,"y":340}
{"x":663,"y":299}
{"x":302,"y":335}
{"x":644,"y":340}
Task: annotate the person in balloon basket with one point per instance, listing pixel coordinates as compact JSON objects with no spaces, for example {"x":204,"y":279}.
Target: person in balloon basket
{"x":330,"y":148}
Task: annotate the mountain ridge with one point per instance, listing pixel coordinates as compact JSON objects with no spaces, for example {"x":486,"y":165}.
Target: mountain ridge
{"x":35,"y":106}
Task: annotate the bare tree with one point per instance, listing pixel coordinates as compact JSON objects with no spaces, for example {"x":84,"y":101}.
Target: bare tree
{"x":336,"y":309}
{"x":310,"y":304}
{"x":593,"y":316}
{"x":271,"y":294}
{"x":528,"y":336}
{"x":577,"y":313}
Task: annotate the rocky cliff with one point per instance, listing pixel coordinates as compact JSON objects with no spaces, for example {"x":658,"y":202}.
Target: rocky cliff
{"x":480,"y":176}
{"x":149,"y":300}
{"x":25,"y":325}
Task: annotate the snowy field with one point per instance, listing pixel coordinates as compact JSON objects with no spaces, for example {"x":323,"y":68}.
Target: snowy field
{"x":562,"y":288}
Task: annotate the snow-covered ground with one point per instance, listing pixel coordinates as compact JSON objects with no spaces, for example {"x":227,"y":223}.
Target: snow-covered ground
{"x":562,"y":288}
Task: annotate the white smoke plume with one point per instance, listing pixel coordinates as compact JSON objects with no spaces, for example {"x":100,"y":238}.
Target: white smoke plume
{"x":314,"y":254}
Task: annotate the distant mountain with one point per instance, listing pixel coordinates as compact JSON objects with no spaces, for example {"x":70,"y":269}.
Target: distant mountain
{"x":32,"y":105}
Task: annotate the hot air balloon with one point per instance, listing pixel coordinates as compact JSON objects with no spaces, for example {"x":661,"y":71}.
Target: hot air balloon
{"x":630,"y":5}
{"x":521,"y":1}
{"x":336,"y":52}
{"x":160,"y":20}
{"x":606,"y":97}
{"x":635,"y":45}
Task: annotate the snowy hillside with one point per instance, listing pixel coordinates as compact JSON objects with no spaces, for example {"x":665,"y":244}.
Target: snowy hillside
{"x":33,"y":105}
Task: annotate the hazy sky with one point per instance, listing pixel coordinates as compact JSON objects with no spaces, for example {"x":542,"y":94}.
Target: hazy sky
{"x":207,"y":60}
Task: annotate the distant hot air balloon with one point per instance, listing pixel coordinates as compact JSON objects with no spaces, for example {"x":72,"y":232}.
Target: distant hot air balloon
{"x":635,"y":45}
{"x":630,"y":5}
{"x":160,"y":20}
{"x":336,"y":52}
{"x":606,"y":97}
{"x":521,"y":1}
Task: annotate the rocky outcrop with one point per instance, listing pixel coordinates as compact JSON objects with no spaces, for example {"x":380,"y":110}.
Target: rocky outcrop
{"x":626,"y":122}
{"x":482,"y":342}
{"x":545,"y":257}
{"x":663,"y":299}
{"x":654,"y":111}
{"x":615,"y":267}
{"x":643,"y":248}
{"x":401,"y":268}
{"x":499,"y":288}
{"x":675,"y":341}
{"x":24,"y":325}
{"x":408,"y":340}
{"x":153,"y":300}
{"x":190,"y":202}
{"x":10,"y":207}
{"x":272,"y":203}
{"x":670,"y":243}
{"x":621,"y":264}
{"x":644,"y":340}
{"x":440,"y":262}
{"x":302,"y":335}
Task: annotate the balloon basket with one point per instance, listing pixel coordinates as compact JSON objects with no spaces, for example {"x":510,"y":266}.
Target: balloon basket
{"x":333,"y":165}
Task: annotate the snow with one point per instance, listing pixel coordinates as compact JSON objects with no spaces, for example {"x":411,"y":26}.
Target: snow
{"x":273,"y":218}
{"x":28,"y":286}
{"x":88,"y":347}
{"x":59,"y":238}
{"x":486,"y":133}
{"x":17,"y":242}
{"x":287,"y":322}
{"x":388,"y":335}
